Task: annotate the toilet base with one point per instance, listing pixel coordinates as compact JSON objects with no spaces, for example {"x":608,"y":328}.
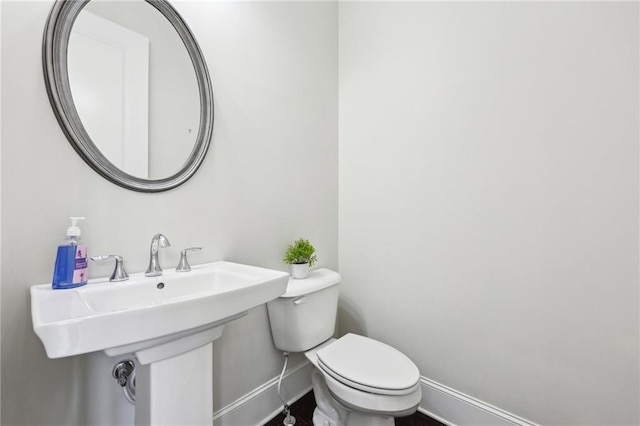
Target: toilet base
{"x":330,"y":412}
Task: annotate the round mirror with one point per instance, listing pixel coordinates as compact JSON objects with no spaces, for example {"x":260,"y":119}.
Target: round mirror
{"x":130,"y":89}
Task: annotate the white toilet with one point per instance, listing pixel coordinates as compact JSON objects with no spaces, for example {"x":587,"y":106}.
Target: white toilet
{"x":357,"y":380}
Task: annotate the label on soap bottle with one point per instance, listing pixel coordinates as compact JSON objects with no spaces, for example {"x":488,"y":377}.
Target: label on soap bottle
{"x":80,"y":268}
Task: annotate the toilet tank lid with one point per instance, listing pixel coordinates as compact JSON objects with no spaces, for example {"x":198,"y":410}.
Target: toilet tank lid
{"x":317,"y":280}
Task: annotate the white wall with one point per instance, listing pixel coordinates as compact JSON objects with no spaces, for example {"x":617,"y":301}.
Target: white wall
{"x":270,"y":177}
{"x":489,"y":198}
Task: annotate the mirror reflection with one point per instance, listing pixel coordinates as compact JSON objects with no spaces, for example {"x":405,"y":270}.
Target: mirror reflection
{"x":134,"y":87}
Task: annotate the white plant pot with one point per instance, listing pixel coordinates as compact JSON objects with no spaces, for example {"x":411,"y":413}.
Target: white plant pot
{"x":299,"y":270}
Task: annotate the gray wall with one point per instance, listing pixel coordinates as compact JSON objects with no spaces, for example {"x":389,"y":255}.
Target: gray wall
{"x":489,"y":198}
{"x":270,"y":177}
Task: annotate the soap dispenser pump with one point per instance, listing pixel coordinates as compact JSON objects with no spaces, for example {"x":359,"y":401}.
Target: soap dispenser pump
{"x":70,"y":270}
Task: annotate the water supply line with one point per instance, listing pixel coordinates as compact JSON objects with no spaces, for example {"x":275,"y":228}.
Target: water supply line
{"x":289,"y":420}
{"x":130,"y":391}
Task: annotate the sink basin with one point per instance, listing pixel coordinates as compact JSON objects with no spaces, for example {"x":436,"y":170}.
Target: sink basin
{"x":146,"y":312}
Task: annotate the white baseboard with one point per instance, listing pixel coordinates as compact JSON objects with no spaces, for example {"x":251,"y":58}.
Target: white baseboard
{"x":263,"y":403}
{"x":454,"y":408}
{"x":444,"y":404}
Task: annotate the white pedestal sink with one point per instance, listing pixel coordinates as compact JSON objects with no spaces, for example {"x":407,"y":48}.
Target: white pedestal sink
{"x":167,"y":322}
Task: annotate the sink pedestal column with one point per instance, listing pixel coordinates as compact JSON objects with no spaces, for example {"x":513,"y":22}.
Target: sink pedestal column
{"x":176,"y":390}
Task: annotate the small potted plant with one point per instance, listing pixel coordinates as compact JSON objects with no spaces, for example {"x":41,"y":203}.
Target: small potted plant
{"x":300,"y":255}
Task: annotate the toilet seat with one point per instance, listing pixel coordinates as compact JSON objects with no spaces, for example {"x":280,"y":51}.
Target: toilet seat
{"x":362,"y":397}
{"x":368,"y":365}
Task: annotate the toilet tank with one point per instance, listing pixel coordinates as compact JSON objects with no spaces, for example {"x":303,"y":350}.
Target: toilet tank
{"x":305,"y":315}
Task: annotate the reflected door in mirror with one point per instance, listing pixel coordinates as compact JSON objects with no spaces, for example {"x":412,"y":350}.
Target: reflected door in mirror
{"x":111,"y":90}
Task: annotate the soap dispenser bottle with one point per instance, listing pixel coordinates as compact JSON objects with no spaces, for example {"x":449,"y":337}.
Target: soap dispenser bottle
{"x":71,"y":261}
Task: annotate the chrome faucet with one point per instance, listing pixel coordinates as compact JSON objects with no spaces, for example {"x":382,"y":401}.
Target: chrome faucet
{"x":158,"y":241}
{"x":183,"y":265}
{"x":119,"y":274}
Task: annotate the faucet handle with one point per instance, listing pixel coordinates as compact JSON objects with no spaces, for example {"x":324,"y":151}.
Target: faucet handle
{"x":119,"y":274}
{"x":183,"y":265}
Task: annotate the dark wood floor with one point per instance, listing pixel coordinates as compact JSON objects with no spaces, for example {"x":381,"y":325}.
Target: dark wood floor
{"x":302,"y":410}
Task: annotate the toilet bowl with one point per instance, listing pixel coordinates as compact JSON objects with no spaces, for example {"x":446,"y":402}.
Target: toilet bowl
{"x":363,"y":381}
{"x":357,"y":381}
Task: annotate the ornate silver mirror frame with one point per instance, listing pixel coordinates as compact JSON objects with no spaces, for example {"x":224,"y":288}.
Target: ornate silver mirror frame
{"x":54,"y":60}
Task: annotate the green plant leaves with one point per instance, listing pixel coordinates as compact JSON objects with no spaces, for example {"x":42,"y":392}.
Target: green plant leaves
{"x":301,"y":251}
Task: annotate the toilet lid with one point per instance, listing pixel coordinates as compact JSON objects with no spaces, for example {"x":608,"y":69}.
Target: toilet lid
{"x":369,"y":365}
